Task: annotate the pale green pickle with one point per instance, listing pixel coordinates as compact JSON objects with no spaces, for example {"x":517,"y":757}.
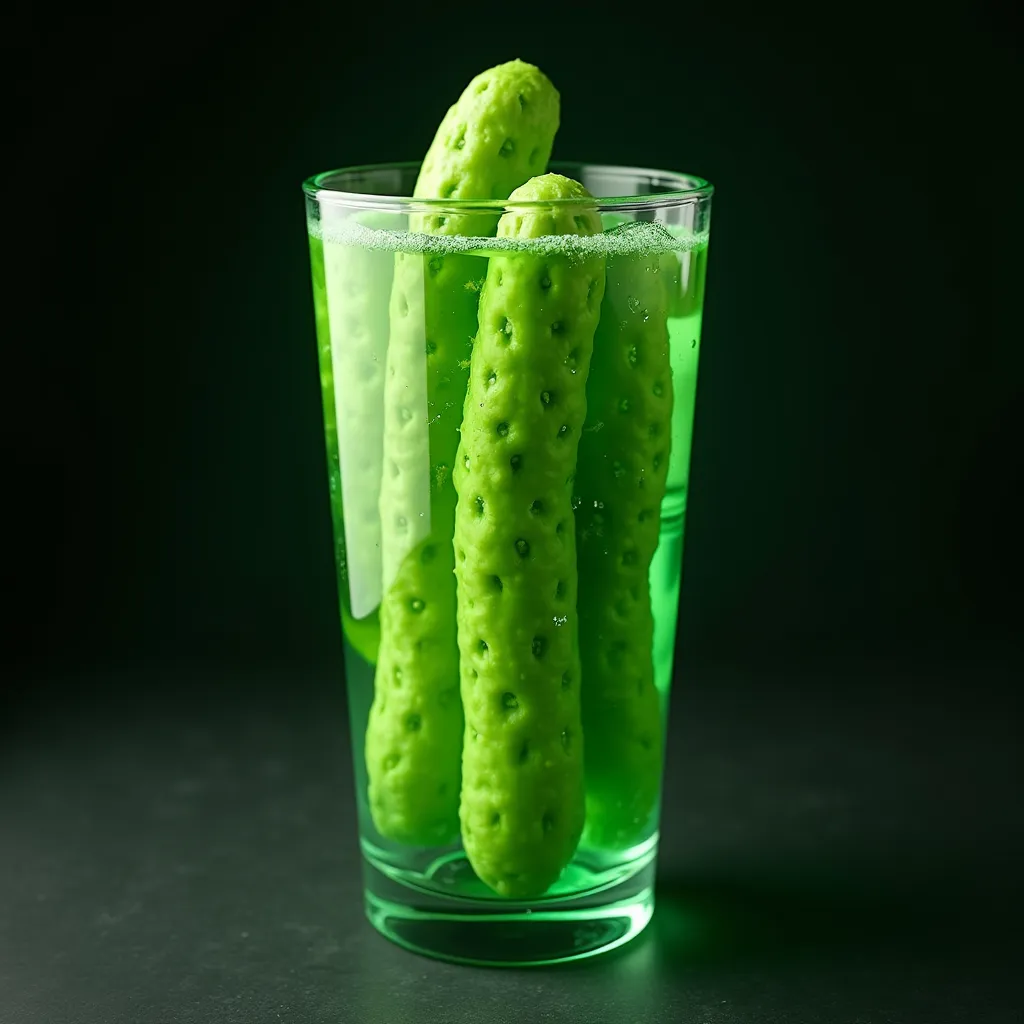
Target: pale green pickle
{"x":352,"y":341}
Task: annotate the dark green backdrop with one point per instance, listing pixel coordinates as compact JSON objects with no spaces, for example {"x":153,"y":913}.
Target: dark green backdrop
{"x":852,"y":490}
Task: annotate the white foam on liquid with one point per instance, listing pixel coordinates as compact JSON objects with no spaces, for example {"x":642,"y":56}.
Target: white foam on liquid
{"x":635,"y":238}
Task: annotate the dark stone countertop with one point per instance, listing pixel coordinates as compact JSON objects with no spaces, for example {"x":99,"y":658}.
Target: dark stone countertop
{"x":836,"y":847}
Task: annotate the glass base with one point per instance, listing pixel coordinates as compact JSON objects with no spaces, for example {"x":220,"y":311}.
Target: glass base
{"x":505,"y":933}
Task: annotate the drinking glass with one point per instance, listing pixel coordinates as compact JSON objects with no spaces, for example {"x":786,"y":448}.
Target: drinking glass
{"x":508,"y":423}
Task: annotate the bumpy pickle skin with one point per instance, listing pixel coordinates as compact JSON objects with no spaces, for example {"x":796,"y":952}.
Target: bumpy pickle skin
{"x":493,"y":139}
{"x":515,"y":560}
{"x":620,"y":483}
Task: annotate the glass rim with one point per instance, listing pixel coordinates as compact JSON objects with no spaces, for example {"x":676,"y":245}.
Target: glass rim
{"x":692,"y":188}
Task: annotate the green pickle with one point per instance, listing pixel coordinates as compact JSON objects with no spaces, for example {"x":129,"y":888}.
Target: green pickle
{"x":522,"y":806}
{"x":498,"y":134}
{"x":623,"y":465}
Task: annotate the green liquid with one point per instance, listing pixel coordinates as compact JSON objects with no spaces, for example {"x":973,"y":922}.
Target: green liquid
{"x":354,"y":426}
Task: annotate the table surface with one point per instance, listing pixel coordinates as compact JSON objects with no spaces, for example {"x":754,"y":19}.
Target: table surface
{"x":179,"y":847}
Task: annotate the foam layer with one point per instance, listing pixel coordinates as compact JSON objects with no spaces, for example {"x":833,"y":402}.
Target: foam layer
{"x":636,"y":238}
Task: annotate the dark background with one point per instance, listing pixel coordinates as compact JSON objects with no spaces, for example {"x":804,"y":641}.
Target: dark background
{"x":853,"y":536}
{"x":856,"y":450}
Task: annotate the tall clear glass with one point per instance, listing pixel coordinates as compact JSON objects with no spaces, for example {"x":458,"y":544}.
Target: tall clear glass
{"x":508,"y":420}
